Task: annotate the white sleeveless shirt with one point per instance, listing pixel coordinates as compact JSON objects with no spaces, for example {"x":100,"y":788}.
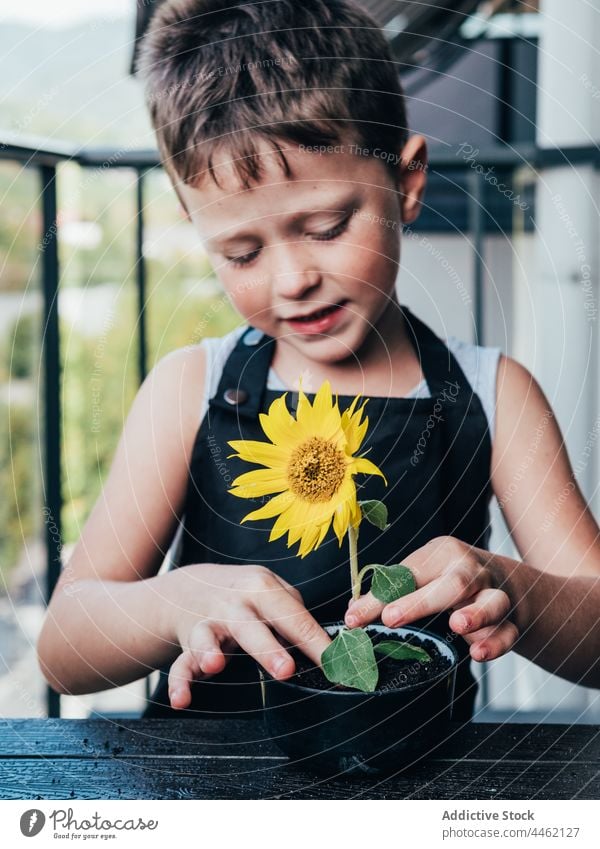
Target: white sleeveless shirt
{"x":479,"y":364}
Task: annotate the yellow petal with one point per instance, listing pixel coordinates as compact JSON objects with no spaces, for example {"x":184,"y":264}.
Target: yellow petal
{"x":356,"y":514}
{"x":278,"y":424}
{"x":321,"y":418}
{"x":340,"y":521}
{"x":273,"y":507}
{"x":308,"y":542}
{"x":262,"y":475}
{"x":259,"y":452}
{"x":259,"y":482}
{"x":323,"y":532}
{"x":318,"y":515}
{"x":348,"y":412}
{"x":300,"y":516}
{"x":323,"y":402}
{"x":294,"y":534}
{"x":353,"y":428}
{"x":309,"y":539}
{"x":292,"y":519}
{"x":304,"y":414}
{"x":361,"y":464}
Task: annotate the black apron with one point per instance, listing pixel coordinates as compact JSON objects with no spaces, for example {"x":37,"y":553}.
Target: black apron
{"x":435,"y":453}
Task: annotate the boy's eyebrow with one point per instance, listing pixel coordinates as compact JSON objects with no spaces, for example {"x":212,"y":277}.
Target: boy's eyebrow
{"x":339,"y":205}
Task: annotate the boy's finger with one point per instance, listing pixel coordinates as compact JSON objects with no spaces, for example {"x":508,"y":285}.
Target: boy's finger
{"x":202,"y":659}
{"x":425,"y":563}
{"x":433,"y":559}
{"x":363,"y":610}
{"x":368,"y":609}
{"x":257,"y":640}
{"x":293,"y":621}
{"x":303,"y":631}
{"x":440,"y":594}
{"x":291,"y":589}
{"x":490,"y":643}
{"x":207,"y":651}
{"x":181,"y":674}
{"x":489,"y":607}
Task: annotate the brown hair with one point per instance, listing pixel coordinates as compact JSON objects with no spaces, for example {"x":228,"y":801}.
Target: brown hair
{"x":222,"y":74}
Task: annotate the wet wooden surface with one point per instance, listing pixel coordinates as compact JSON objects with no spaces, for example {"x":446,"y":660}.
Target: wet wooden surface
{"x":234,"y":759}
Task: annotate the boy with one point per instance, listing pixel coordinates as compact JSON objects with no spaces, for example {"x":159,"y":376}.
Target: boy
{"x":268,"y":117}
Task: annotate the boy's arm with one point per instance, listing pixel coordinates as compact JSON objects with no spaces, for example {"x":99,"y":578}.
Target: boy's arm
{"x":558,"y":619}
{"x":532,"y":478}
{"x":112,"y":620}
{"x":105,"y":623}
{"x":558,"y":584}
{"x":547,"y":606}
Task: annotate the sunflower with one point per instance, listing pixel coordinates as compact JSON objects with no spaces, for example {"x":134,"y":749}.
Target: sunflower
{"x":309,"y":467}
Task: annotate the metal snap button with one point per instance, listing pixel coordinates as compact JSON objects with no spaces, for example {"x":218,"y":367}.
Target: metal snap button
{"x":235,"y":396}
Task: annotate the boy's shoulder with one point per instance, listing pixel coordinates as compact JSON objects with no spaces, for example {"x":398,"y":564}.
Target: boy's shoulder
{"x":518,"y":389}
{"x":478,"y":362}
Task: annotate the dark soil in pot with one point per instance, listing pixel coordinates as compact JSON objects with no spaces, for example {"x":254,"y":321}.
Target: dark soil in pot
{"x":392,"y":673}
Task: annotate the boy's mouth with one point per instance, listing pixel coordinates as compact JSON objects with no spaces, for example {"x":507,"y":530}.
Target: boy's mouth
{"x":317,"y":314}
{"x":313,"y":316}
{"x":319,"y":321}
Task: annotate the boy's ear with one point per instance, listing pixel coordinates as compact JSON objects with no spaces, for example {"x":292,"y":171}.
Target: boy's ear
{"x":412,"y":177}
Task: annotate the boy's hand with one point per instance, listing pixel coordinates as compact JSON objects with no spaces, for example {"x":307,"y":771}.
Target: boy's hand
{"x":450,"y":575}
{"x":221,"y":607}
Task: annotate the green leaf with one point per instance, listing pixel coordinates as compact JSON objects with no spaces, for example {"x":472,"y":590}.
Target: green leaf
{"x":376,"y":513}
{"x":392,"y":582}
{"x":350,"y":660}
{"x":402,"y":651}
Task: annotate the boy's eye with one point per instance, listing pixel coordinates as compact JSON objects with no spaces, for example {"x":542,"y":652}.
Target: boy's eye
{"x":335,"y":231}
{"x":246,"y":259}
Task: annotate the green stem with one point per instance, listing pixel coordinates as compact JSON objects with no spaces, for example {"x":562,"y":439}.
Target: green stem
{"x":353,"y":546}
{"x":364,"y":571}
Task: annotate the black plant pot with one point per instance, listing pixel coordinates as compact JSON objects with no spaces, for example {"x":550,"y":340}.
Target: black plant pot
{"x":332,"y":730}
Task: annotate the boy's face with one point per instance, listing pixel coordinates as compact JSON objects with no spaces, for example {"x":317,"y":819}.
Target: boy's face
{"x":310,"y":259}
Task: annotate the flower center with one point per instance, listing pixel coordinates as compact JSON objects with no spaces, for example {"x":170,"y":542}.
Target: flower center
{"x":316,"y":469}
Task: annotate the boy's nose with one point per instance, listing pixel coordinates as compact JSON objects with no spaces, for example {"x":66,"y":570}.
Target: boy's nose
{"x":293,"y":272}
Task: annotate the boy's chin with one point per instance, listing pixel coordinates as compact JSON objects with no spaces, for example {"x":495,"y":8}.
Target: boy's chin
{"x":325,"y":348}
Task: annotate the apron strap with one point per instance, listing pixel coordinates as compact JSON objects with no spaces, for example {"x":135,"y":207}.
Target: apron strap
{"x":244,"y":377}
{"x":442,"y":371}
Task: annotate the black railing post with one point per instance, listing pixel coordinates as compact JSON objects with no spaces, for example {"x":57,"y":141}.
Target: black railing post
{"x":140,"y":267}
{"x":51,"y":483}
{"x":476,"y":212}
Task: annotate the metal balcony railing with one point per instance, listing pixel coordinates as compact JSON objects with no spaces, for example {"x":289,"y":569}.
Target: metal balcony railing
{"x":459,"y":200}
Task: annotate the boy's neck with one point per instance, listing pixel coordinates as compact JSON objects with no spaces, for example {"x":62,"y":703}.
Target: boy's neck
{"x":385,"y":365}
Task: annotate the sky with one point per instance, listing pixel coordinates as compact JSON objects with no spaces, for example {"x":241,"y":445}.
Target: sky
{"x":63,"y":13}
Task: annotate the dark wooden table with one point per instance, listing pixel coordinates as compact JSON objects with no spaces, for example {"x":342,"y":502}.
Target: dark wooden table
{"x":229,"y":759}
